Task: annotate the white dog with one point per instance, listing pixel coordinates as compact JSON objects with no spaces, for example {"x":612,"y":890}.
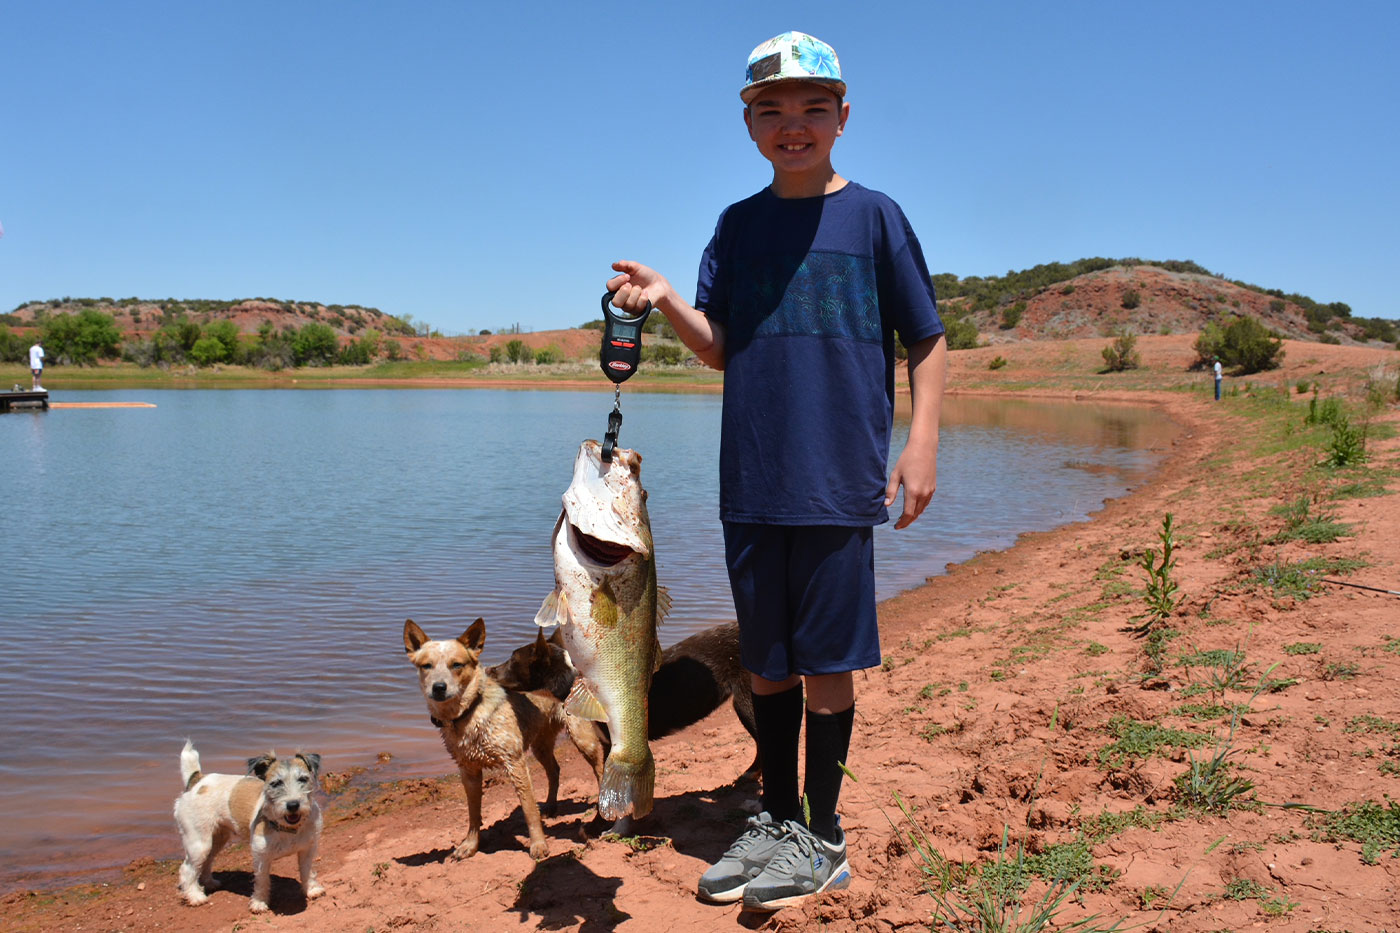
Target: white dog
{"x":271,"y":805}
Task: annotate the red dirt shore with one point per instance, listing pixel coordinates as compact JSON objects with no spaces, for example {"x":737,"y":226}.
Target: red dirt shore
{"x":1005,"y":684}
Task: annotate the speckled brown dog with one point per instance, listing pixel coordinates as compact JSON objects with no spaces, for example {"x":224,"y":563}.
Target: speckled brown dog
{"x":484,"y":725}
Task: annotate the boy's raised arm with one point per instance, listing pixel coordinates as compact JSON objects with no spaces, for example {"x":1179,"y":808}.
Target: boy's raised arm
{"x":637,"y":283}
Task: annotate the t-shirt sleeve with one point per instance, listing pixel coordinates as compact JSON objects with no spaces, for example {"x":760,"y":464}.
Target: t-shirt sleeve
{"x":906,"y":288}
{"x":711,"y":293}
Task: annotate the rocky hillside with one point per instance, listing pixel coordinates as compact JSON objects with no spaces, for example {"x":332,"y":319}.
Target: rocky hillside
{"x":1147,"y":299}
{"x":139,"y":316}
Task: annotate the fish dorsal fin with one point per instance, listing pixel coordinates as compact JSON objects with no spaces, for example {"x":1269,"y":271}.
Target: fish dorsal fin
{"x":553,"y":611}
{"x":582,"y":703}
{"x":663,"y":604}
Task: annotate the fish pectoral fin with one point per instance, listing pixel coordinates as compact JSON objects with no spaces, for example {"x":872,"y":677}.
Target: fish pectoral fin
{"x":663,"y":604}
{"x":553,"y":611}
{"x":582,"y":703}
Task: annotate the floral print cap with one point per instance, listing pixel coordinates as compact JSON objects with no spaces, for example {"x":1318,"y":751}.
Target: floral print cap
{"x":793,"y":56}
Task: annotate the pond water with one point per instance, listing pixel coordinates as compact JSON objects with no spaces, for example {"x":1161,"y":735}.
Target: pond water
{"x":236,"y":566}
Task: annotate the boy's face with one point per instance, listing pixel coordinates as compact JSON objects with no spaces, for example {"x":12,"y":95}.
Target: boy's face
{"x":795,"y":125}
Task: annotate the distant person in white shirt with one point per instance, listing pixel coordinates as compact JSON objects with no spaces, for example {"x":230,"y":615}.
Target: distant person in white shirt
{"x":1218,"y":376}
{"x":36,"y":363}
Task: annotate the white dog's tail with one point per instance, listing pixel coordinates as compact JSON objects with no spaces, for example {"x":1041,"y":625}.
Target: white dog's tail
{"x":189,"y":765}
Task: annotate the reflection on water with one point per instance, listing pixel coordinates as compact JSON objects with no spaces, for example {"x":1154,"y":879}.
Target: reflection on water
{"x":236,"y":566}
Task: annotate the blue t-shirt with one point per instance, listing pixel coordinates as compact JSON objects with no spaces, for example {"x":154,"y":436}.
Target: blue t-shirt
{"x":810,"y":292}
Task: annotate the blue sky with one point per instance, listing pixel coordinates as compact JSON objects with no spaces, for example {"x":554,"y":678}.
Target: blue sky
{"x":477,"y":165}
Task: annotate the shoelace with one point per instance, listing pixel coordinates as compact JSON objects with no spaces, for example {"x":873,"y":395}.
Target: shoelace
{"x":800,"y":847}
{"x":753,"y":835}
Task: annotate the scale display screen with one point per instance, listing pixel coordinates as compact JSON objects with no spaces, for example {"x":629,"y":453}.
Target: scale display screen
{"x":624,"y":331}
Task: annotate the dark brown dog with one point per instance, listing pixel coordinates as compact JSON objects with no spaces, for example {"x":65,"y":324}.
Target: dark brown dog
{"x":696,"y":675}
{"x":483,"y":724}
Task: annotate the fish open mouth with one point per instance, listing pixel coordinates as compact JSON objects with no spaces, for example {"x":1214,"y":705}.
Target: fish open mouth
{"x":600,"y":551}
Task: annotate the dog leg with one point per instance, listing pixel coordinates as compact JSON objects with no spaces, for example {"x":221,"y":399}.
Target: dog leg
{"x":206,"y":871}
{"x":518,"y":770}
{"x":306,"y":865}
{"x":194,"y":865}
{"x":544,"y":753}
{"x":471,"y":783}
{"x":262,"y":873}
{"x":588,"y":739}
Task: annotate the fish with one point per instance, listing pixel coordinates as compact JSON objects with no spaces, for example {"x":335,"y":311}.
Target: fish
{"x":607,"y":607}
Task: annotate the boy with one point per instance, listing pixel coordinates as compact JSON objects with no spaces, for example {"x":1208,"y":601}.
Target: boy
{"x":800,"y":292}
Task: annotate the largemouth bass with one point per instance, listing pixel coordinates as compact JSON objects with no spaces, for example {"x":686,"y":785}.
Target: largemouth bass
{"x":607,"y":605}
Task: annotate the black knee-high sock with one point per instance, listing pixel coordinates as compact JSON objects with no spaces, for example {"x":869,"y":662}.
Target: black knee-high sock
{"x":778,"y":719}
{"x":828,"y":742}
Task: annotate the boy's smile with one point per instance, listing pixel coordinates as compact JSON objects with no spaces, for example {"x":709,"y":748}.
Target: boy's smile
{"x":795,"y":126}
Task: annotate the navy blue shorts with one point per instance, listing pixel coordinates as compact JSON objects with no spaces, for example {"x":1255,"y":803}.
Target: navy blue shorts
{"x":805,"y":598}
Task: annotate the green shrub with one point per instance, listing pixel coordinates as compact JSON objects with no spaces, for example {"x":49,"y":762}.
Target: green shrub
{"x":1131,"y":299}
{"x":1242,"y":344}
{"x":516,"y":351}
{"x":667,"y":353}
{"x":960,"y":334}
{"x":1011,"y":316}
{"x":315,"y":345}
{"x":226,"y":333}
{"x":496,"y":354}
{"x":12,"y":346}
{"x":547,"y":355}
{"x":207,"y":351}
{"x":997,"y":362}
{"x":1121,"y":354}
{"x":1347,"y":446}
{"x":81,"y":338}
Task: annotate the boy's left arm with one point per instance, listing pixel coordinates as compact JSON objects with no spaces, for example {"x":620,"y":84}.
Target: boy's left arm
{"x":917,"y":467}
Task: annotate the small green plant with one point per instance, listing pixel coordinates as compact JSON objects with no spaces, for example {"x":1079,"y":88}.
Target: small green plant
{"x":1211,"y":784}
{"x":1137,"y":739}
{"x":1375,"y":826}
{"x":1347,"y":446}
{"x":1131,"y":299}
{"x":1302,"y":647}
{"x":1302,"y":579}
{"x":1011,"y":316}
{"x":1160,"y":593}
{"x":1308,"y":519}
{"x":997,"y":362}
{"x":1121,"y":354}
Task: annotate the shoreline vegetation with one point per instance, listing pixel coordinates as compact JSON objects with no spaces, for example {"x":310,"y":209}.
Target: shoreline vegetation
{"x":1182,"y":713}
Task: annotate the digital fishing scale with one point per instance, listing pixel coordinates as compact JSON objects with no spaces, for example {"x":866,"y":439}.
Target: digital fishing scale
{"x":621,"y":352}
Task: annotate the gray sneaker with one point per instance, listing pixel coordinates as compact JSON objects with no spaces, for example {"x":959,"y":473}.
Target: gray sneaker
{"x":725,"y":880}
{"x":804,"y":865}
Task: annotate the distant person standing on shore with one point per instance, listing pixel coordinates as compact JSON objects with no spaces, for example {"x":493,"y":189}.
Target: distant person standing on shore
{"x":36,"y":363}
{"x":1218,"y":376}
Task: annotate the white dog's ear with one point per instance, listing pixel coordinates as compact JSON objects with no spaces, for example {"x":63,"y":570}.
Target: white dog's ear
{"x":312,"y":760}
{"x":258,"y":766}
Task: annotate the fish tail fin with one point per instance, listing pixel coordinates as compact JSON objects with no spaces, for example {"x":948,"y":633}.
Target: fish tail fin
{"x":626,"y":787}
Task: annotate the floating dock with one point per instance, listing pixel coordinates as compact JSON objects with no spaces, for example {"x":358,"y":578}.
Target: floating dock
{"x":25,"y":400}
{"x":38,"y":400}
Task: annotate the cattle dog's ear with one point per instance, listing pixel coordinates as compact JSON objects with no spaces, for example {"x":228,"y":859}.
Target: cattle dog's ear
{"x":413,"y":637}
{"x":258,"y":767}
{"x":474,"y":638}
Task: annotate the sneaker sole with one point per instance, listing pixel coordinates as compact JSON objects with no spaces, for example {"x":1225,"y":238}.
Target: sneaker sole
{"x":839,"y":880}
{"x":725,"y":897}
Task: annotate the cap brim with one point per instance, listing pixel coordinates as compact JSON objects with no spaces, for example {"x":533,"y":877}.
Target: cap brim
{"x":749,"y":91}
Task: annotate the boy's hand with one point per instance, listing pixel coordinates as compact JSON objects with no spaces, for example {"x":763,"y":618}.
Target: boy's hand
{"x":636,"y":284}
{"x":916,"y":470}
